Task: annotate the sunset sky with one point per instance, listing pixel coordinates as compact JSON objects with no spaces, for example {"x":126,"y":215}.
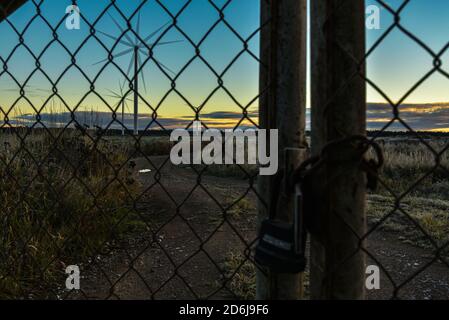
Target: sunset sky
{"x":395,"y":66}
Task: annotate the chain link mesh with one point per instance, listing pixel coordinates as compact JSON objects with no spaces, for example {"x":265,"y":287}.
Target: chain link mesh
{"x":77,"y":195}
{"x":407,"y":216}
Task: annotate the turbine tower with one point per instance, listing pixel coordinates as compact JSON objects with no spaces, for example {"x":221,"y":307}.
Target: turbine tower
{"x":137,"y":47}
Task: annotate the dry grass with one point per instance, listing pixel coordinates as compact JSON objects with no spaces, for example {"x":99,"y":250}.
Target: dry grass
{"x":407,"y":162}
{"x":431,"y":214}
{"x":60,"y":201}
{"x":426,"y":201}
{"x":243,"y":276}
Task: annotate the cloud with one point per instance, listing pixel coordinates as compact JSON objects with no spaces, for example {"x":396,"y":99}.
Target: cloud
{"x":220,"y":120}
{"x":229,"y":115}
{"x":420,"y":117}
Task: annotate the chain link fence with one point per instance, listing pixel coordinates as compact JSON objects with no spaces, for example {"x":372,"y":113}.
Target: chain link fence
{"x":77,"y":192}
{"x":79,"y":187}
{"x":413,"y":203}
{"x":406,"y":235}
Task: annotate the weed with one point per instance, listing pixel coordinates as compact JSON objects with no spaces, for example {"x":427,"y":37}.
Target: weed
{"x":243,"y":275}
{"x":59,"y":204}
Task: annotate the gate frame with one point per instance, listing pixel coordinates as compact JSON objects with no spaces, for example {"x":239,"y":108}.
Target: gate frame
{"x":338,"y":111}
{"x":282,"y":106}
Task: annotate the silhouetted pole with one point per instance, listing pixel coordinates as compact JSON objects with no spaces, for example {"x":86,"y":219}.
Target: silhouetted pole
{"x":338,"y":111}
{"x":123,"y":117}
{"x":282,"y":106}
{"x":136,"y":90}
{"x":7,"y":7}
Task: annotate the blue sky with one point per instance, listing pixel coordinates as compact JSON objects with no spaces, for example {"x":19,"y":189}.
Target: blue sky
{"x":399,"y":62}
{"x":195,"y":83}
{"x":394,"y":66}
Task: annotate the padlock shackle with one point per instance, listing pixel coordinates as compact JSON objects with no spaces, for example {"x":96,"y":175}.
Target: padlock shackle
{"x":299,"y":228}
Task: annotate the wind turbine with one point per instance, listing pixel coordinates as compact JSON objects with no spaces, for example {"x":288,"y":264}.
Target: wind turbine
{"x":137,"y":47}
{"x":122,"y":101}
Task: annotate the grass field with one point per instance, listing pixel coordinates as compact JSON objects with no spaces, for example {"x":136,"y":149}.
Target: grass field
{"x":59,"y":202}
{"x":411,"y":175}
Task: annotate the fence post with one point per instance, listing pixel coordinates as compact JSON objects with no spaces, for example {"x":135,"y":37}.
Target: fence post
{"x":8,"y":7}
{"x":282,"y":106}
{"x":338,"y":111}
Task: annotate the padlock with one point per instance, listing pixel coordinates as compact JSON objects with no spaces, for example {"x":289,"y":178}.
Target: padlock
{"x":281,"y":246}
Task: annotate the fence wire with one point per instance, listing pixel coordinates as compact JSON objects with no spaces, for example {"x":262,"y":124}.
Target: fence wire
{"x":403,"y":238}
{"x":78,"y":194}
{"x":75,"y":195}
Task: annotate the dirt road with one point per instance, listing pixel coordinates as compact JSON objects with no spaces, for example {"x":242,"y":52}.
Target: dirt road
{"x":190,"y":246}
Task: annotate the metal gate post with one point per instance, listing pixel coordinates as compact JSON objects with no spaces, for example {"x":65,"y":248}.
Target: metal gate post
{"x":338,"y":111}
{"x":282,"y":107}
{"x":8,"y":7}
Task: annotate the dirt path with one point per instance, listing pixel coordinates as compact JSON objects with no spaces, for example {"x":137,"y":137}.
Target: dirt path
{"x":187,"y":257}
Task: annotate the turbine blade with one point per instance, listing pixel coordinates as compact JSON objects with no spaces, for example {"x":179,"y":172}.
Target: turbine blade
{"x":101,"y":61}
{"x":155,"y":32}
{"x":165,"y":67}
{"x":130,"y":66}
{"x":122,"y":98}
{"x":110,"y":91}
{"x":120,"y":28}
{"x":162,"y":43}
{"x":138,"y":26}
{"x":115,"y":38}
{"x":141,"y":73}
{"x":115,"y":56}
{"x":123,"y":53}
{"x":113,"y":94}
